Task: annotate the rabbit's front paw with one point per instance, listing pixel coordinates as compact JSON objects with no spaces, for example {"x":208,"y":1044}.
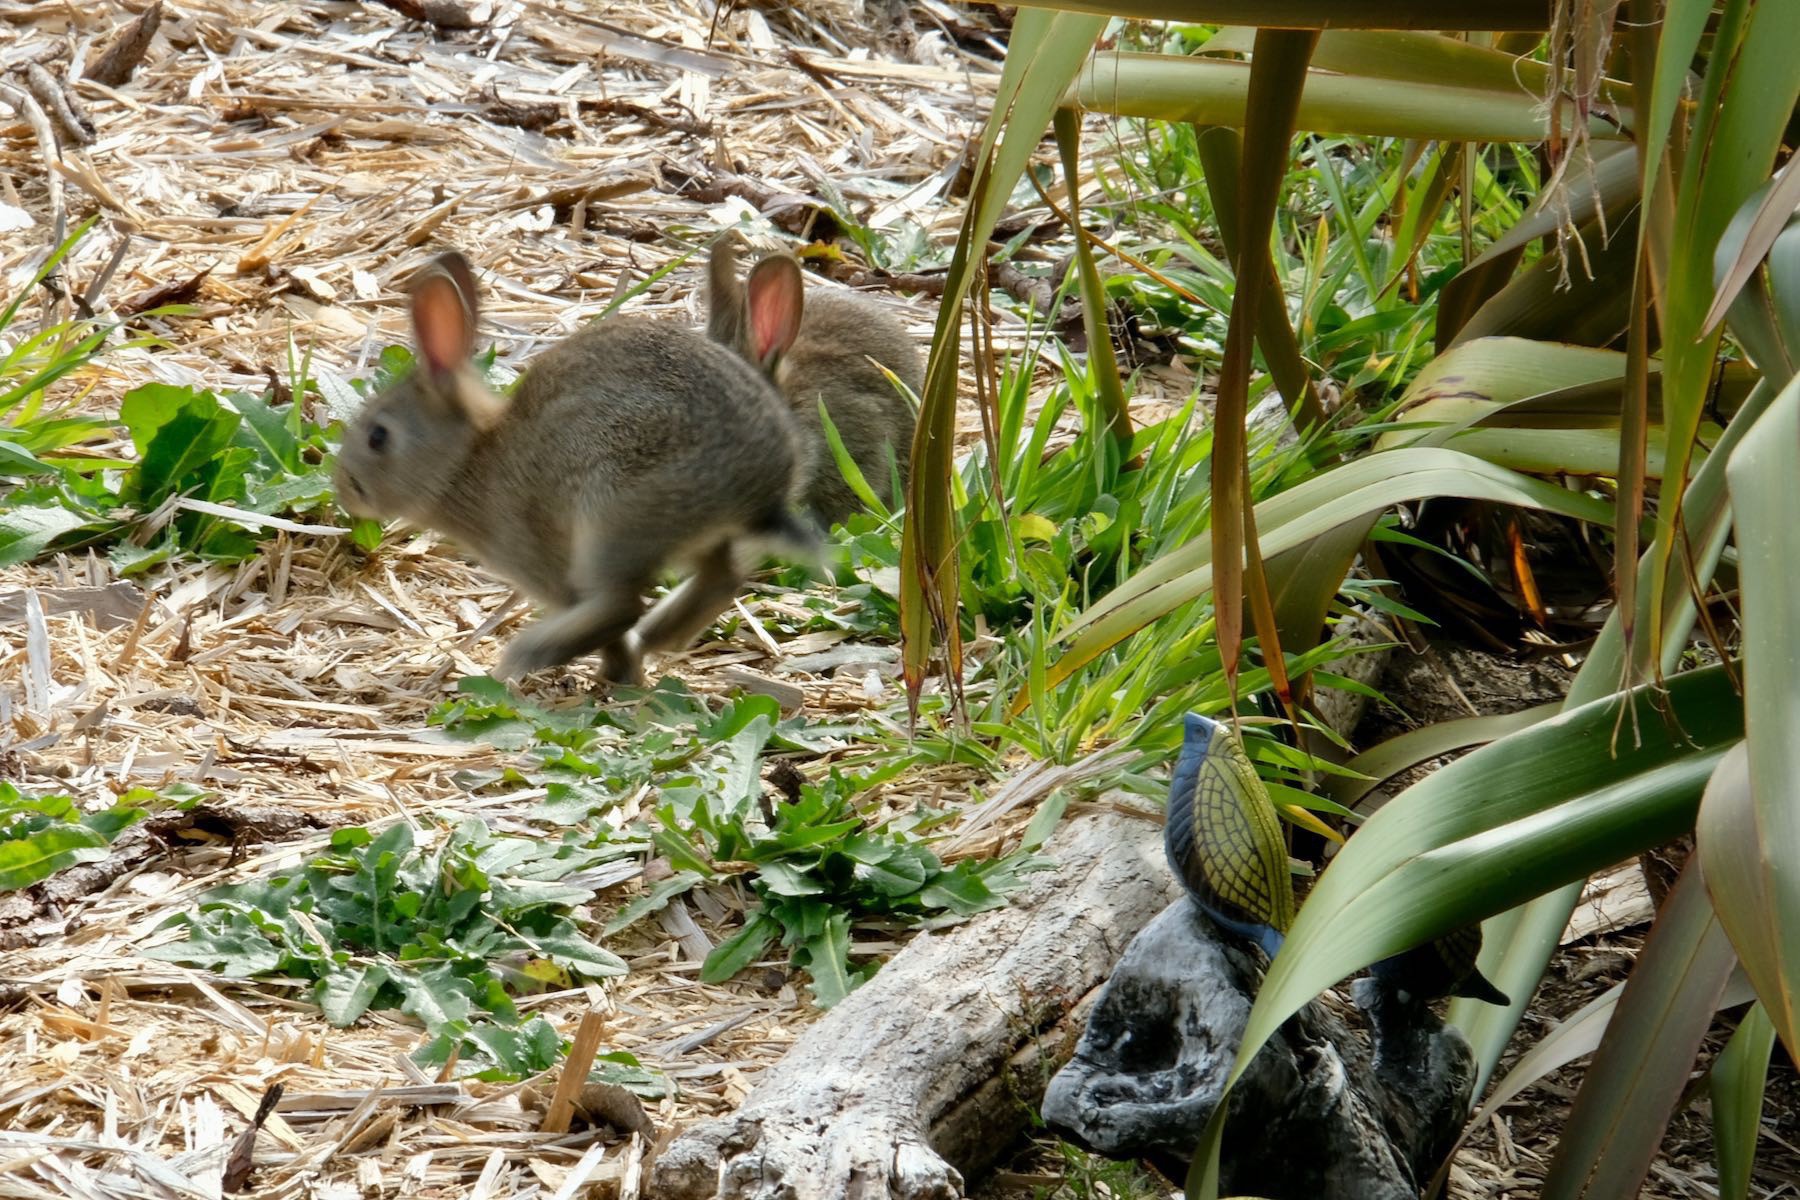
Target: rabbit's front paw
{"x":623,"y":661}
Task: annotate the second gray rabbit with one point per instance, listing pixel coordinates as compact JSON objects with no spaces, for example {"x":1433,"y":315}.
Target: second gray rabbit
{"x":826,"y":359}
{"x":632,"y":447}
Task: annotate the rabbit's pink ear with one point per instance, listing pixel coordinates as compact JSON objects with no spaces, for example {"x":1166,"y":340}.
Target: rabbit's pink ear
{"x":777,"y":298}
{"x":443,"y":314}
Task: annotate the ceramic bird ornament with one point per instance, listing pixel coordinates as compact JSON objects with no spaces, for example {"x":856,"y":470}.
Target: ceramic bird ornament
{"x":1222,"y":837}
{"x":1445,"y":967}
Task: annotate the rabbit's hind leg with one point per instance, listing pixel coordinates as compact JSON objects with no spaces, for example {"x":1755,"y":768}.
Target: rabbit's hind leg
{"x":679,"y":617}
{"x":610,"y":576}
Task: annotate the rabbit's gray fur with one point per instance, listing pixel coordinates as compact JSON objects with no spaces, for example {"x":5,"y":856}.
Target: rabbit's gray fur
{"x":829,"y":360}
{"x":631,"y":447}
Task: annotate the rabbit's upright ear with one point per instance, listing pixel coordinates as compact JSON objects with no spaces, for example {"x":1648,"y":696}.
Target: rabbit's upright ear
{"x":443,"y":317}
{"x":727,"y":322}
{"x":777,"y":298}
{"x":443,"y":314}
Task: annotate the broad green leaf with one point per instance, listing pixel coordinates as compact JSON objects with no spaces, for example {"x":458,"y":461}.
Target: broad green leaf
{"x":740,"y":949}
{"x":743,"y":757}
{"x":1203,"y":91}
{"x":1642,"y":1066}
{"x":653,"y":900}
{"x":961,"y":890}
{"x":346,"y":994}
{"x":1329,"y":500}
{"x":828,"y":961}
{"x":901,"y":873}
{"x":177,"y":431}
{"x":233,"y":945}
{"x":1739,"y":1076}
{"x":26,"y":531}
{"x":622,"y":1068}
{"x":1749,"y":825}
{"x":580,"y":956}
{"x":436,"y":996}
{"x":782,"y":878}
{"x":109,"y":823}
{"x":1399,"y":753}
{"x":37,"y":856}
{"x":268,"y":430}
{"x":1521,"y":816}
{"x":515,"y":1053}
{"x":299,"y":493}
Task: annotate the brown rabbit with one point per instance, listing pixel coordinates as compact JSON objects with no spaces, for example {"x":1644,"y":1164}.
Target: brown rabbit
{"x":631,"y":447}
{"x":828,"y":359}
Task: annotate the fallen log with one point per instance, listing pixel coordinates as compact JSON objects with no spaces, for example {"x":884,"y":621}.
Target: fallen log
{"x":925,"y":1073}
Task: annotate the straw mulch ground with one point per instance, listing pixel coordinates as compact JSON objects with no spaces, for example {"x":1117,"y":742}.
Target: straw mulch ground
{"x":307,"y":156}
{"x":311,"y":155}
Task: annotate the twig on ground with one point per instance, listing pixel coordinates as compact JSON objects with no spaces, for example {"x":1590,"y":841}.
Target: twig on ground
{"x":56,"y":99}
{"x":48,"y":150}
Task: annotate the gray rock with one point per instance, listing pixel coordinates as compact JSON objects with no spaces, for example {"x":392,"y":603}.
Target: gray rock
{"x":1316,"y":1117}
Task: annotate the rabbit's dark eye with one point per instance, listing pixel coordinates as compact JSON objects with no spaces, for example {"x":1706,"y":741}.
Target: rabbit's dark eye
{"x":378,"y":437}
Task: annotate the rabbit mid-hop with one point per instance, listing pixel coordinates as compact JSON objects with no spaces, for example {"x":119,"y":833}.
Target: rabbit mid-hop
{"x":632,"y":447}
{"x":827,"y":360}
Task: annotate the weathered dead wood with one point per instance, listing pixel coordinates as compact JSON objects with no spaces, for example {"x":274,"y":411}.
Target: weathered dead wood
{"x":107,"y":607}
{"x":48,"y":150}
{"x":906,"y":1085}
{"x":61,"y":103}
{"x":128,"y":47}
